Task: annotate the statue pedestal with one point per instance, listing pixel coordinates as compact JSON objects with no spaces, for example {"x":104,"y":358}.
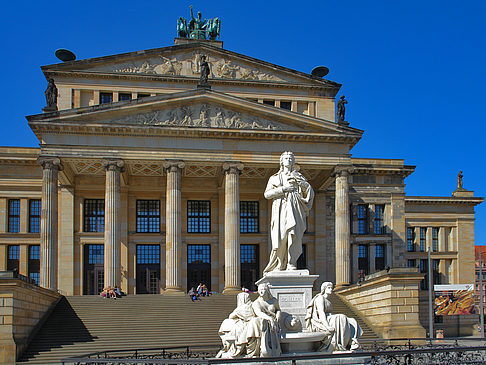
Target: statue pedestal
{"x":293,"y":290}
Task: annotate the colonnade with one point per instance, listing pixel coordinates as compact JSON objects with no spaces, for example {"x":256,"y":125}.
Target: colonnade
{"x":173,"y":235}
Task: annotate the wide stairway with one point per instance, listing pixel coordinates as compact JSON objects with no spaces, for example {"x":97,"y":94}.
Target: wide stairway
{"x":84,"y":324}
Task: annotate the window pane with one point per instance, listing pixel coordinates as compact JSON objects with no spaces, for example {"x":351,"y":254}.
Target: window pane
{"x":249,"y":212}
{"x":249,"y":254}
{"x":106,"y":98}
{"x":410,"y":239}
{"x":379,"y":226}
{"x":435,"y":239}
{"x":96,"y":254}
{"x":94,"y":215}
{"x":198,"y":254}
{"x":198,"y":216}
{"x":14,"y":215}
{"x":124,"y":96}
{"x":286,"y":105}
{"x":34,"y":215}
{"x":362,"y":219}
{"x":423,"y":235}
{"x":148,"y":216}
{"x":148,"y":254}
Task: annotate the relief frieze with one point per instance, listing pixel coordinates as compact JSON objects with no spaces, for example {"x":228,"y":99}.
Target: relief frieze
{"x":203,"y":116}
{"x":188,"y":65}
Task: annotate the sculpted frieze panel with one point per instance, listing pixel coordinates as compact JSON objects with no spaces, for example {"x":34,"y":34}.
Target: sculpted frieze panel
{"x":204,"y":116}
{"x":187,"y":64}
{"x":87,"y":167}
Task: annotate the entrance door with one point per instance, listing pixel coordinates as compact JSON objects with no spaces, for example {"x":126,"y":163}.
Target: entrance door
{"x":94,"y":274}
{"x":250,"y":266}
{"x":148,"y":269}
{"x":198,"y":266}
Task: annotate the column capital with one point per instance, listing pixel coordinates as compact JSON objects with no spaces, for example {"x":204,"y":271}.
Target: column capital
{"x":342,"y":171}
{"x":173,"y":165}
{"x":233,"y":167}
{"x":113,"y":164}
{"x":50,"y":163}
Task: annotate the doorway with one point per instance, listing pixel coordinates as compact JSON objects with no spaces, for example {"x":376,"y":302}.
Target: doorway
{"x":198,"y":266}
{"x":148,"y":269}
{"x":250,"y":266}
{"x":94,"y":271}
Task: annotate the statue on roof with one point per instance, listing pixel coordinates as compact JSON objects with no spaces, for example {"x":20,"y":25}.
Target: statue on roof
{"x":459,"y":180}
{"x":341,"y":109}
{"x":51,"y":96}
{"x":198,"y":28}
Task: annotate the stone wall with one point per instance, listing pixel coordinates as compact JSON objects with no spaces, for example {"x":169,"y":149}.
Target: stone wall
{"x":389,"y":302}
{"x":22,"y":306}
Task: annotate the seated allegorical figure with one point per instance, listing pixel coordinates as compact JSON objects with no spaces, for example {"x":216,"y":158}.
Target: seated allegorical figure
{"x":234,"y":328}
{"x":252,"y":329}
{"x":343,"y":332}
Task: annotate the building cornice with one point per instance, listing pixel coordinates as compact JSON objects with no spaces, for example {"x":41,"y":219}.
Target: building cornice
{"x":443,"y":200}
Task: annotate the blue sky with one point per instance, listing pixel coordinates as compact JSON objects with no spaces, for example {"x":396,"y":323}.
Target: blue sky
{"x":413,"y":72}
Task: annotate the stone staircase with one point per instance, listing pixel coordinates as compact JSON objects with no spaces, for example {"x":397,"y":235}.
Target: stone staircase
{"x":85,"y":324}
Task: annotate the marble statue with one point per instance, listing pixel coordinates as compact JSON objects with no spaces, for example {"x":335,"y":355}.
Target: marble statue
{"x":341,"y":109}
{"x":252,"y":329}
{"x":266,"y":326}
{"x":292,"y":199}
{"x":51,"y":95}
{"x":342,"y":333}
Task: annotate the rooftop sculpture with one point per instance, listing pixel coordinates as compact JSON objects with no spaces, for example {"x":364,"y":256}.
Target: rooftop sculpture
{"x":198,"y":28}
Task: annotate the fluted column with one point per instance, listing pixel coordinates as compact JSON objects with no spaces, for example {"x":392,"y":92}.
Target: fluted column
{"x":232,"y":226}
{"x":112,"y":266}
{"x":49,"y":222}
{"x":173,"y":231}
{"x":342,"y":231}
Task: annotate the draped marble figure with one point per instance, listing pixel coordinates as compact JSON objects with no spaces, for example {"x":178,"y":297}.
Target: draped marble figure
{"x":342,"y":332}
{"x":292,"y":199}
{"x":252,"y":329}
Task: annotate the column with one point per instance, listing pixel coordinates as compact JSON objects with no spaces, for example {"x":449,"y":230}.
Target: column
{"x":232,"y":227}
{"x":343,"y":248}
{"x":48,"y":234}
{"x":112,"y":266}
{"x":173,"y":230}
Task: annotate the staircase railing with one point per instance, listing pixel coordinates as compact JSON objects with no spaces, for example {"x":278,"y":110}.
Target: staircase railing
{"x":378,"y":351}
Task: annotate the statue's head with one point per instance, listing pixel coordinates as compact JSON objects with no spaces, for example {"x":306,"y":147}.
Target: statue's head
{"x":264,"y":289}
{"x":285,"y":157}
{"x":342,"y":97}
{"x":326,"y":287}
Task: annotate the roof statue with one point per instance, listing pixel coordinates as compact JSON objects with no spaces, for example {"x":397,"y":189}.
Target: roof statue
{"x":198,"y":28}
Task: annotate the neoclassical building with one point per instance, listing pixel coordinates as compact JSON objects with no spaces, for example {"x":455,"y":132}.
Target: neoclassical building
{"x":144,"y":180}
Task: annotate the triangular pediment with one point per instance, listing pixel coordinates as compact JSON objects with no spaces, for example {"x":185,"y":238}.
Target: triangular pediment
{"x":194,"y":110}
{"x":183,"y":61}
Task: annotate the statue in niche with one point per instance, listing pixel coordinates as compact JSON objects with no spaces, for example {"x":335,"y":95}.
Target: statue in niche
{"x":252,"y":329}
{"x":459,"y":180}
{"x":51,"y":95}
{"x":341,"y":109}
{"x":205,"y":71}
{"x":342,"y":333}
{"x":292,"y":199}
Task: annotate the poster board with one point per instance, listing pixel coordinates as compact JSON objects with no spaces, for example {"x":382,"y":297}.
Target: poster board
{"x":454,"y":300}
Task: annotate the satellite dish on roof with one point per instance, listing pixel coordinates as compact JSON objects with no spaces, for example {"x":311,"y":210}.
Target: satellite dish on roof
{"x":320,"y":71}
{"x":65,"y":55}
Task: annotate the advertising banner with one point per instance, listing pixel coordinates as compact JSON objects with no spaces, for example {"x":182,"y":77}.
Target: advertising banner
{"x":454,"y":300}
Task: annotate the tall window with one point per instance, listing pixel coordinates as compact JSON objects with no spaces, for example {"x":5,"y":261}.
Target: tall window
{"x":249,"y":265}
{"x":424,"y":283}
{"x":379,"y":257}
{"x":198,"y":216}
{"x":362,"y":219}
{"x":410,"y":239}
{"x":363,"y":259}
{"x":34,"y":263}
{"x":94,"y":215}
{"x":411,"y":263}
{"x":379,"y":223}
{"x":13,"y":254}
{"x":148,"y":216}
{"x":106,"y":98}
{"x":423,"y":238}
{"x":435,"y":270}
{"x":286,"y":105}
{"x":435,"y":239}
{"x":34,"y":215}
{"x":14,"y":215}
{"x":249,"y":217}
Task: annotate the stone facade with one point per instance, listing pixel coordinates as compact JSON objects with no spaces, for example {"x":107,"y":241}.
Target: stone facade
{"x":142,"y":158}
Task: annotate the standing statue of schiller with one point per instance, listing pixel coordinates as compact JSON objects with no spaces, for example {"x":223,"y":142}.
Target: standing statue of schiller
{"x":292,"y":199}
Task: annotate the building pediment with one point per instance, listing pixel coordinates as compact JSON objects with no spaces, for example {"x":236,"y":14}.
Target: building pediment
{"x":182,"y":61}
{"x":195,"y":111}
